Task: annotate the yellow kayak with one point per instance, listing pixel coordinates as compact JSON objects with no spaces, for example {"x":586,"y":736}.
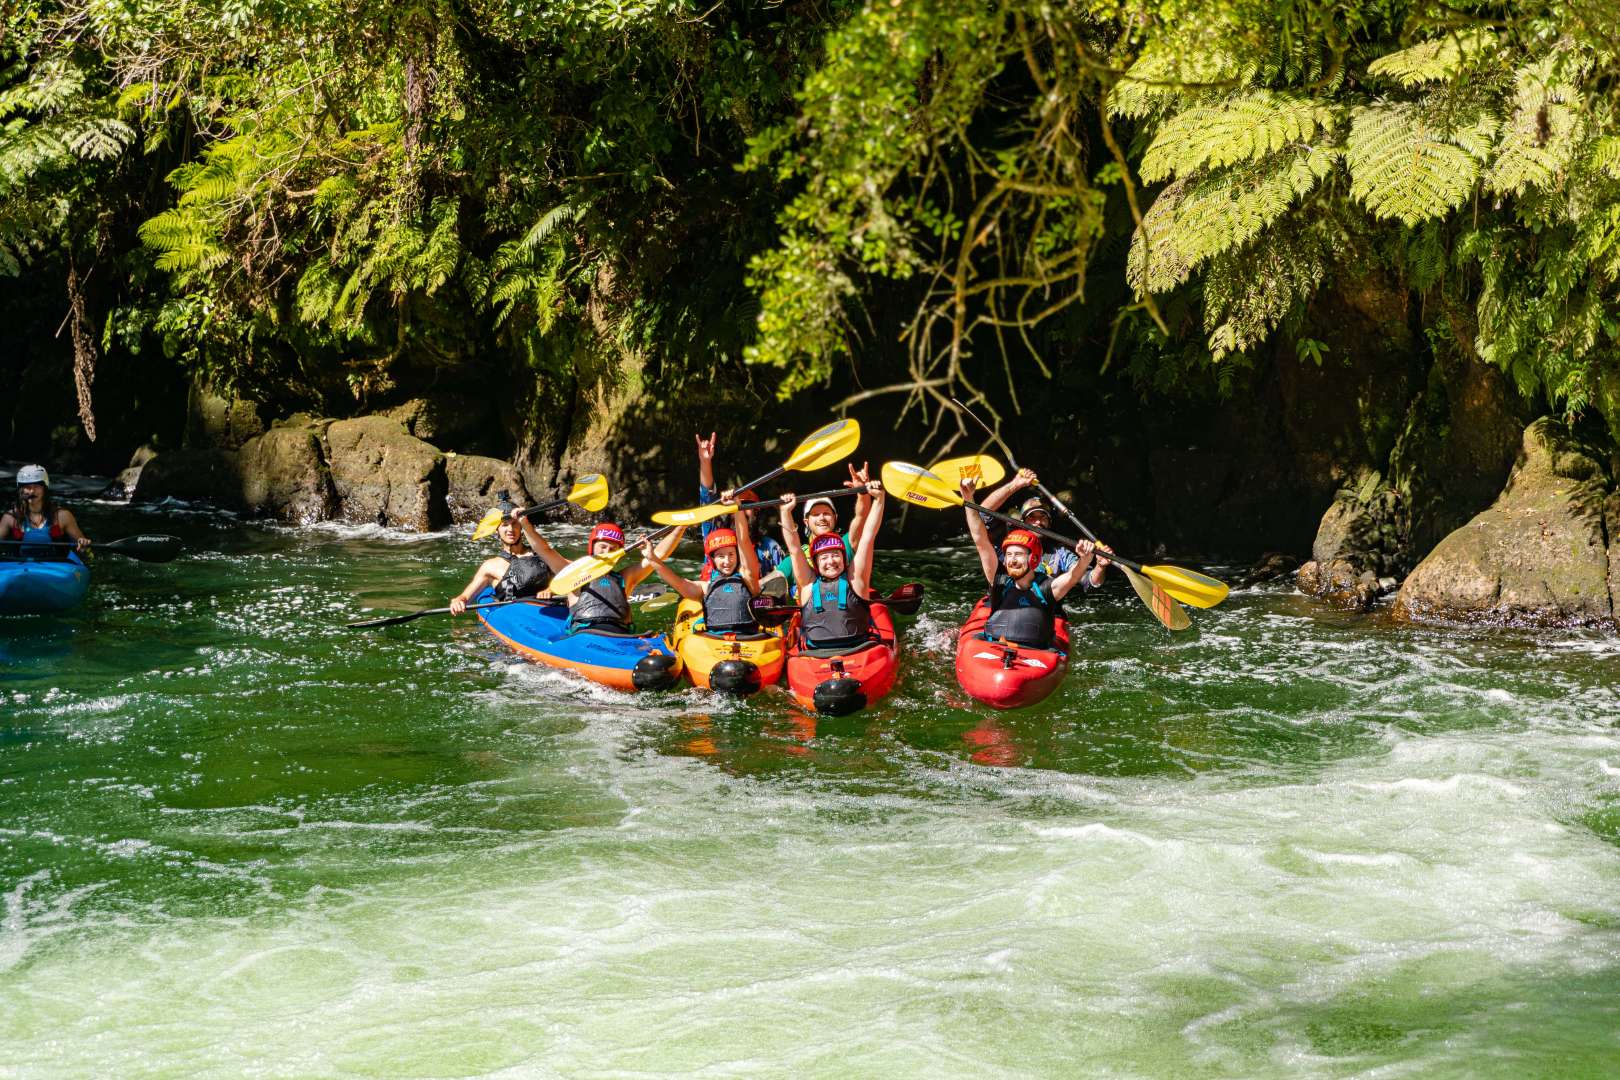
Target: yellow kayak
{"x":730,"y":663}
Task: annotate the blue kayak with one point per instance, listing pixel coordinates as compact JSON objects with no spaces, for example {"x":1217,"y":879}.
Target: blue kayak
{"x":539,"y":631}
{"x":40,"y":587}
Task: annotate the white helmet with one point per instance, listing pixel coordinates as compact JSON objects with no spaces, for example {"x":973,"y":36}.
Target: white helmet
{"x":813,"y":503}
{"x":33,"y":474}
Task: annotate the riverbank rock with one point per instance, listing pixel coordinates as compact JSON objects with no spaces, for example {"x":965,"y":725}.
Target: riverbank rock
{"x":194,"y":475}
{"x":1269,"y":567}
{"x":1342,"y":583}
{"x":1539,"y":556}
{"x":475,"y":482}
{"x":382,"y":474}
{"x":283,"y":474}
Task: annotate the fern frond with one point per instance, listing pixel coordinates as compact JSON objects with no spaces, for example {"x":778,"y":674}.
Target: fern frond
{"x":1193,"y":221}
{"x":1402,"y":167}
{"x":1432,"y":61}
{"x":98,"y":138}
{"x":1241,"y":128}
{"x":1248,"y":292}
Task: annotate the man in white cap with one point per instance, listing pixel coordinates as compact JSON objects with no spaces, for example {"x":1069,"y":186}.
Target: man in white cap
{"x":821,"y":519}
{"x":36,"y":522}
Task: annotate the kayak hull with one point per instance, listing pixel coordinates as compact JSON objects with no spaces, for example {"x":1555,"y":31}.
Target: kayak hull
{"x":837,"y":684}
{"x":726,"y":662}
{"x":1004,"y":675}
{"x":39,"y":587}
{"x":538,"y":631}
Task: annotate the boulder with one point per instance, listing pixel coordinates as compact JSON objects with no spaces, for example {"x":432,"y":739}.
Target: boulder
{"x":219,"y":420}
{"x":1269,"y":567}
{"x":1539,"y":556}
{"x":205,"y":475}
{"x":382,"y":474}
{"x":474,"y":483}
{"x":283,"y":474}
{"x":1340,"y":582}
{"x":450,"y":420}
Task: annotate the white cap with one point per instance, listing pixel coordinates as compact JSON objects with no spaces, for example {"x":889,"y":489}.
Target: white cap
{"x":813,"y":503}
{"x":33,"y":474}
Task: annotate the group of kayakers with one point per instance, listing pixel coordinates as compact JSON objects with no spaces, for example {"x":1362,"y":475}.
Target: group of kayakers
{"x":828,"y":573}
{"x":35,"y":527}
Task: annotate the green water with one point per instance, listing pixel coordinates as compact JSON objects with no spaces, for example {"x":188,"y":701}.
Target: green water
{"x":239,"y":840}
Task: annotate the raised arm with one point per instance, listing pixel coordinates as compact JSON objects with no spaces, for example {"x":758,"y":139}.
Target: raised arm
{"x":802,"y":574}
{"x":705,"y":453}
{"x":860,"y":578}
{"x":665,"y":548}
{"x":539,"y":544}
{"x":997,"y":498}
{"x":748,"y":559}
{"x":989,"y":562}
{"x":689,"y":590}
{"x":1070,"y":578}
{"x":859,"y":478}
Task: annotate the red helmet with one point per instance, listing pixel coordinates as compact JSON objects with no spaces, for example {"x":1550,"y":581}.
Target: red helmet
{"x":608,"y":531}
{"x":1025,"y":539}
{"x":826,"y":542}
{"x":717,"y":539}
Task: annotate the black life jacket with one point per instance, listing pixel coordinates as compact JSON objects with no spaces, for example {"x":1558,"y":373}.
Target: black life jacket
{"x":602,"y":605}
{"x":829,"y":623}
{"x":1024,"y":616}
{"x":728,"y":606}
{"x":526,"y":575}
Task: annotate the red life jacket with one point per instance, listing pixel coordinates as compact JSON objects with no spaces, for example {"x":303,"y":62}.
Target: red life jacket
{"x":56,"y":529}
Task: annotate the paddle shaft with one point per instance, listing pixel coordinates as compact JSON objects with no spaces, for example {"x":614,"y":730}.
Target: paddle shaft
{"x":1067,"y":541}
{"x":151,"y":547}
{"x":395,"y":620}
{"x":1042,"y":488}
{"x":835,"y":493}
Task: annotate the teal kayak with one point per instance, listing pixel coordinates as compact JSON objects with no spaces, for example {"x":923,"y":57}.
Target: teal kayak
{"x":41,"y":586}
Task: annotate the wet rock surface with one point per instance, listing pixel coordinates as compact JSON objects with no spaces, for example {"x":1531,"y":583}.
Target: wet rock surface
{"x":382,"y":473}
{"x":1541,"y":555}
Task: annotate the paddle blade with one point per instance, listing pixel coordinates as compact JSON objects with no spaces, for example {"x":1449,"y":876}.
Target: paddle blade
{"x":1188,"y":586}
{"x":488,"y":524}
{"x":906,"y":599}
{"x":146,"y":548}
{"x":584,"y":570}
{"x":1164,"y":607}
{"x":661,"y":601}
{"x":916,"y":484}
{"x":695,"y":516}
{"x":831,"y":444}
{"x":984,"y":469}
{"x":589,"y":492}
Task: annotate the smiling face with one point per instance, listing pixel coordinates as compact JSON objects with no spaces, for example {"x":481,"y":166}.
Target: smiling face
{"x":508,"y":532}
{"x":830,"y":564}
{"x":725,"y":560}
{"x":604,"y":548}
{"x":1015,"y":557}
{"x":821,"y":520}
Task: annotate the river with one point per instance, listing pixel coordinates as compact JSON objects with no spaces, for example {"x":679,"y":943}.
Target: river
{"x":237,"y":839}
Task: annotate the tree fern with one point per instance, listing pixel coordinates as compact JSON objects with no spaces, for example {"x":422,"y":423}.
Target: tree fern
{"x":1433,"y":61}
{"x":1248,"y":292}
{"x":1242,"y":127}
{"x":1402,"y":165}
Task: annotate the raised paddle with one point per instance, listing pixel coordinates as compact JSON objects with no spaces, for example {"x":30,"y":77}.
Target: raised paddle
{"x":588,"y":493}
{"x":587,"y":568}
{"x":917,"y":485}
{"x":1163,"y":606}
{"x":984,"y":469}
{"x":835,"y":442}
{"x":149,"y":547}
{"x":650,"y":601}
{"x":699,"y":514}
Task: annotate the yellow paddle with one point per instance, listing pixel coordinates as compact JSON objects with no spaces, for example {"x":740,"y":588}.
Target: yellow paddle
{"x":588,"y":493}
{"x":917,"y":485}
{"x":984,"y":469}
{"x":697,"y":515}
{"x":587,"y":568}
{"x":1163,"y":606}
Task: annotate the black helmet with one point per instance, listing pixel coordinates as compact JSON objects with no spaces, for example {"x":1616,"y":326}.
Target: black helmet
{"x":1032,"y":505}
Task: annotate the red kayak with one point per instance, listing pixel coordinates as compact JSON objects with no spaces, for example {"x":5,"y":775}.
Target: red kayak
{"x":837,"y":682}
{"x":1004,"y":675}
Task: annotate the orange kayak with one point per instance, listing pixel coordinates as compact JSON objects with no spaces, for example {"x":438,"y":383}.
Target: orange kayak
{"x":837,"y":682}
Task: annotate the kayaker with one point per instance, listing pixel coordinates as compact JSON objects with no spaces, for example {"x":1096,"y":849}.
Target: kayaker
{"x":766,"y":550}
{"x":1034,"y":511}
{"x":604,"y":604}
{"x":821,"y":519}
{"x":1025,"y":601}
{"x":36,"y":522}
{"x":523,"y":566}
{"x":834,"y":593}
{"x":728,"y":594}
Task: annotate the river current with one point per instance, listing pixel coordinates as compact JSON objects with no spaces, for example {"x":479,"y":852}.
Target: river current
{"x":238,"y":839}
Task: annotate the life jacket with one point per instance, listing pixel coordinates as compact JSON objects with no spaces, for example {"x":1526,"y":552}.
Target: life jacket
{"x":728,"y":606}
{"x":41,"y":535}
{"x":526,"y":575}
{"x":827,"y":623}
{"x":1024,"y":616}
{"x":601,"y":605}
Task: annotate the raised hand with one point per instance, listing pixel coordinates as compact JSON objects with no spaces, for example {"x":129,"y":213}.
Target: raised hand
{"x":705,"y":449}
{"x":858,"y":478}
{"x":1024,"y":478}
